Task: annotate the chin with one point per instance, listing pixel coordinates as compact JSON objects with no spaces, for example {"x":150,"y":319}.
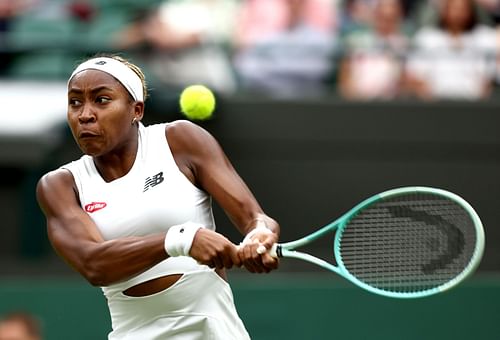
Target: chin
{"x":91,"y":150}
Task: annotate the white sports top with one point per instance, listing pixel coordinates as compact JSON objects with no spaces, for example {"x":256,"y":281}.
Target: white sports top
{"x":150,"y":198}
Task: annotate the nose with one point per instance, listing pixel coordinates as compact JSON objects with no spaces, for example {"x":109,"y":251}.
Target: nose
{"x":87,"y":115}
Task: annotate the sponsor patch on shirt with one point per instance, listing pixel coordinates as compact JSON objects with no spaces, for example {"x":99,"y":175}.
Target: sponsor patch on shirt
{"x":95,"y":206}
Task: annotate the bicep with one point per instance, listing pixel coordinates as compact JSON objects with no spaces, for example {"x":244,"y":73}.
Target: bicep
{"x":70,"y":230}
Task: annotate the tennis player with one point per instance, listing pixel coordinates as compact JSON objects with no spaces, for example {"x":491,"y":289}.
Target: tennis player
{"x":133,"y":215}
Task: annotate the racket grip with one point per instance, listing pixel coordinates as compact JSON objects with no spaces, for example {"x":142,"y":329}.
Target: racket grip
{"x":275,"y":250}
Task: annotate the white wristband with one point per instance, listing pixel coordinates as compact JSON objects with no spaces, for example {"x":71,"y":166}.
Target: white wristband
{"x":180,"y":237}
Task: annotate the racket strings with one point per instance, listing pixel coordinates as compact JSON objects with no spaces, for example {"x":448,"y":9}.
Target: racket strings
{"x":409,"y":243}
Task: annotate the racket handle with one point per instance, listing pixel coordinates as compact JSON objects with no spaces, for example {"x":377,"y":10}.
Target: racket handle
{"x":275,"y":250}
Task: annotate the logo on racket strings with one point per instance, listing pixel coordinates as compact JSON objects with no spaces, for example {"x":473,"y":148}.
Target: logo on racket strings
{"x":455,"y":241}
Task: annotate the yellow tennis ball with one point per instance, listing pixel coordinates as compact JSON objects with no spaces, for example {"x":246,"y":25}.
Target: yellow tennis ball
{"x":197,"y":102}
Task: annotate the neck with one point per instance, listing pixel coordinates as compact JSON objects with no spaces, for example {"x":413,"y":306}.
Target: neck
{"x":119,"y":162}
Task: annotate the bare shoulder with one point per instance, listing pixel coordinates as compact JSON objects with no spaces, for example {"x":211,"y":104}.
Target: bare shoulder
{"x":57,"y":183}
{"x":185,"y":136}
{"x":186,"y":130}
{"x":56,"y":177}
{"x":195,"y":151}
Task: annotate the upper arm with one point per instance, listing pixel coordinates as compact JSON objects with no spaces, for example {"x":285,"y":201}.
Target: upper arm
{"x":70,"y":230}
{"x":76,"y":238}
{"x":201,"y":158}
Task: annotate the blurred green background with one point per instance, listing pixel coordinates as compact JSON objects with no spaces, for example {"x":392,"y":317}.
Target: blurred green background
{"x":288,"y":306}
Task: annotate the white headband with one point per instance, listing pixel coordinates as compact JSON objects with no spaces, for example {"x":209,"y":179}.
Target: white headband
{"x":128,"y":78}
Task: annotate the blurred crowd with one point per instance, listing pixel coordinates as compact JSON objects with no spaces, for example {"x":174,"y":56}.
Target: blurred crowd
{"x":358,"y":49}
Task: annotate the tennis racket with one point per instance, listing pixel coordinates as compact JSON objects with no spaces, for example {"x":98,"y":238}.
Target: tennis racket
{"x":407,"y":242}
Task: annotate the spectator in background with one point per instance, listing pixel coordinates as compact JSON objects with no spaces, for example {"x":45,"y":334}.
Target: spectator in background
{"x":427,"y":12}
{"x":20,"y":326}
{"x":356,"y":14}
{"x":184,"y":42}
{"x":258,"y":19}
{"x":9,"y":10}
{"x":360,"y":14}
{"x":455,"y":59}
{"x":285,"y":48}
{"x":372,"y":67}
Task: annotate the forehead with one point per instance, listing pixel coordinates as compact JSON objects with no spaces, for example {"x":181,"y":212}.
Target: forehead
{"x":92,"y":79}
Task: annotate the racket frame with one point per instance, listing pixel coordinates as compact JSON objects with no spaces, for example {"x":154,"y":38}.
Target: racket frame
{"x":287,"y":249}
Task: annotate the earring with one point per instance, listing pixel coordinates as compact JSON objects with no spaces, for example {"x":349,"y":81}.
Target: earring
{"x":134,"y":120}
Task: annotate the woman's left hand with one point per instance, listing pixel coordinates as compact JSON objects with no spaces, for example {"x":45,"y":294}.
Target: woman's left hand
{"x":254,"y":251}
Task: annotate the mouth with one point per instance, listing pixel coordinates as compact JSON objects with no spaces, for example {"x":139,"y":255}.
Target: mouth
{"x":87,"y":134}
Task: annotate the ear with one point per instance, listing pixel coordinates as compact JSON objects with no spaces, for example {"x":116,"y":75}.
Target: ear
{"x":138,"y":111}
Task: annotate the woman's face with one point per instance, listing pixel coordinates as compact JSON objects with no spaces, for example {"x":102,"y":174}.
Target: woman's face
{"x":100,"y":112}
{"x":457,"y":14}
{"x":388,"y":16}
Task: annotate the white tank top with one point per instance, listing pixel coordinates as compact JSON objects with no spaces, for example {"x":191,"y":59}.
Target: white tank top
{"x":150,"y":198}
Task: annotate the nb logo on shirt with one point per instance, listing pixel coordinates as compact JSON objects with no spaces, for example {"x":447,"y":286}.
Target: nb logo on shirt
{"x":153,"y":181}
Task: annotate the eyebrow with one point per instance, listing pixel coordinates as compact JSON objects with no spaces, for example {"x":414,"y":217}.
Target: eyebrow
{"x":94,"y":90}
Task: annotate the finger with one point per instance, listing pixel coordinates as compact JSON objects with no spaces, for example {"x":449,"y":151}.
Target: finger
{"x":231,"y":258}
{"x":248,"y":262}
{"x":256,"y":252}
{"x":217,"y":262}
{"x":235,"y":258}
{"x":270,"y":262}
{"x":251,"y":258}
{"x":227,"y":262}
{"x":269,"y":241}
{"x":265,"y":261}
{"x":256,"y":258}
{"x":243,"y":258}
{"x":261,"y":249}
{"x":211,"y":264}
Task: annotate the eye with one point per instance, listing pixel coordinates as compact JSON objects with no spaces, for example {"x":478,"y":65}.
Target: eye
{"x":74,"y":102}
{"x":103,"y":100}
